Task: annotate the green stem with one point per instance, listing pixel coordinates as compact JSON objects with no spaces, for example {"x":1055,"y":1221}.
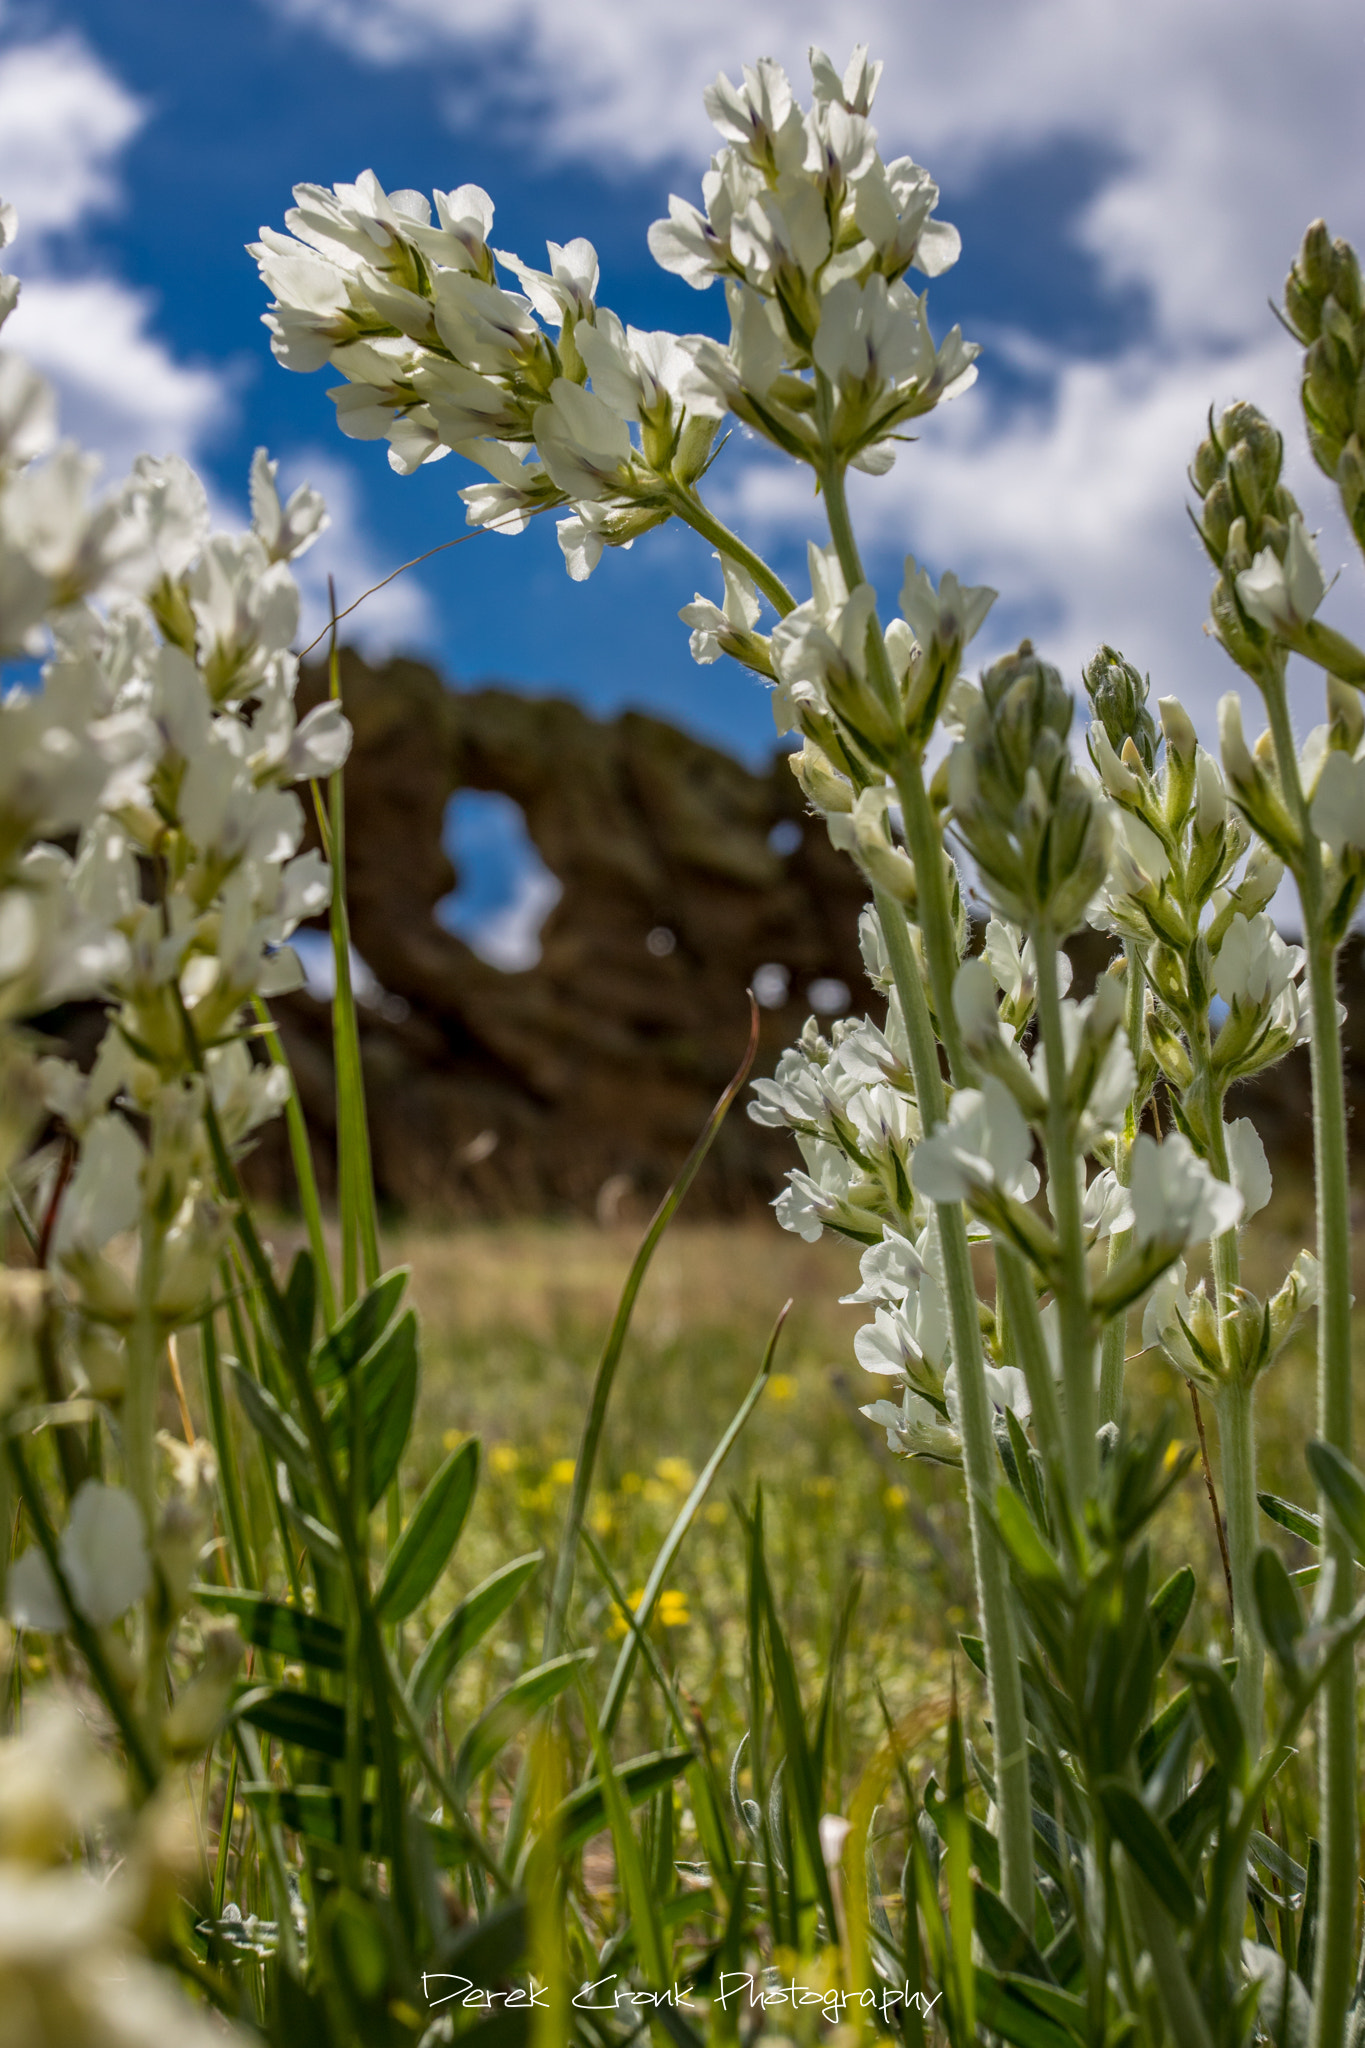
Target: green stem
{"x":1114,"y":1343}
{"x":229,"y":1484}
{"x":1003,"y":1684}
{"x":1335,"y":1960}
{"x":1236,"y":1436}
{"x":84,"y":1634}
{"x":295,"y":1359}
{"x":690,"y":509}
{"x":1064,"y":1200}
{"x":1021,"y":1306}
{"x":1237,"y":1439}
{"x":301,"y":1154}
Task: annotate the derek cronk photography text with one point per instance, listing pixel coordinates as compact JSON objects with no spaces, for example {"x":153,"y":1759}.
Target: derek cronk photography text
{"x":735,"y":1987}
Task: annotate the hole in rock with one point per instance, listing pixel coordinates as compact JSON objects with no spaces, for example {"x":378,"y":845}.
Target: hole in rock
{"x":505,"y":891}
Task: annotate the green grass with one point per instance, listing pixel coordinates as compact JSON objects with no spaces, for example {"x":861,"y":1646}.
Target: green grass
{"x":514,"y":1316}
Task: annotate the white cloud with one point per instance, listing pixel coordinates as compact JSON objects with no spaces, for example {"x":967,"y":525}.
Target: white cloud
{"x":64,"y":122}
{"x":64,"y":119}
{"x":120,"y":388}
{"x":1224,"y":127}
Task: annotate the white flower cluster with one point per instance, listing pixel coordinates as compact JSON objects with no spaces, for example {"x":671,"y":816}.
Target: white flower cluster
{"x":149,"y":862}
{"x":437,"y":355}
{"x":565,"y":406}
{"x":73,"y":1971}
{"x":871,"y":1174}
{"x":812,"y":233}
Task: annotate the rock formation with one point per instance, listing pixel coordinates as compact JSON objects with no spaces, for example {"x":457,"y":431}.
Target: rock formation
{"x":581,"y":1083}
{"x":583,"y":1080}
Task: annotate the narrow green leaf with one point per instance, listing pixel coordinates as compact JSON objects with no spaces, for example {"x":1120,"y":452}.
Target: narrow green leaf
{"x":280,"y":1431}
{"x":360,"y":1329}
{"x":974,"y":1649}
{"x":1009,"y":1947}
{"x":298,"y":1717}
{"x":1287,"y":1515}
{"x":425,"y":1547}
{"x":1279,"y":1612}
{"x":641,"y":1900}
{"x":466,"y":1627}
{"x":1218,"y":1717}
{"x":1149,"y":1848}
{"x":388,"y":1396}
{"x":1168,"y":1608}
{"x":300,"y":1299}
{"x":1031,"y":1555}
{"x":271,"y":1625}
{"x":487,"y":1951}
{"x":1344,"y":1490}
{"x":1009,"y":2009}
{"x":312,"y":1810}
{"x":584,"y":1813}
{"x":509,"y":1713}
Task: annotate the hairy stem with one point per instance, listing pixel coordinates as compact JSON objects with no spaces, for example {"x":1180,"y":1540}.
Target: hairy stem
{"x":1236,"y":1436}
{"x":690,"y":509}
{"x":1064,"y":1199}
{"x":1004,"y":1688}
{"x":1003,"y":1682}
{"x":1114,"y":1342}
{"x":1335,"y":1960}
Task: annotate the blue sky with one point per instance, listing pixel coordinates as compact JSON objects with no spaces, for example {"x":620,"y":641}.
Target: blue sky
{"x":1130,"y":184}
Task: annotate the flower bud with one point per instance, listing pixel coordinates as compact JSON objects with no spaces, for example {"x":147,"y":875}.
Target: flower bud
{"x":1238,"y":765}
{"x":1119,"y":695}
{"x":1346,"y":715}
{"x":825,"y":788}
{"x":1208,"y":466}
{"x":1216,"y":520}
{"x":1211,"y":804}
{"x":1177,"y":727}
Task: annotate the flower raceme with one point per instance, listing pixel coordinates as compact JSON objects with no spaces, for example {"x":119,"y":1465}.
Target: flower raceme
{"x":150,"y":862}
{"x":564,"y":405}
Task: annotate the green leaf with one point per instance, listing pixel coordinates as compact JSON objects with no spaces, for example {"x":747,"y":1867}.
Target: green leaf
{"x":1149,"y":1848}
{"x":509,"y":1713}
{"x":300,"y":1300}
{"x":1287,"y":1515}
{"x":1339,"y":1480}
{"x":298,"y":1717}
{"x":271,"y":1625}
{"x":312,"y":1810}
{"x":388,"y":1395}
{"x":268,"y":1419}
{"x":1218,"y":1717}
{"x":974,"y":1649}
{"x":1009,"y":1947}
{"x":1011,"y":2008}
{"x":1279,"y":1612}
{"x":461,"y":1631}
{"x":1169,"y":1606}
{"x":342,"y":1349}
{"x":584,"y":1813}
{"x":425,"y":1547}
{"x":1031,"y":1556}
{"x":489,"y":1950}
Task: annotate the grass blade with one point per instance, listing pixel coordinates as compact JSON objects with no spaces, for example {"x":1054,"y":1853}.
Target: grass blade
{"x":615,"y":1344}
{"x":687,"y":1514}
